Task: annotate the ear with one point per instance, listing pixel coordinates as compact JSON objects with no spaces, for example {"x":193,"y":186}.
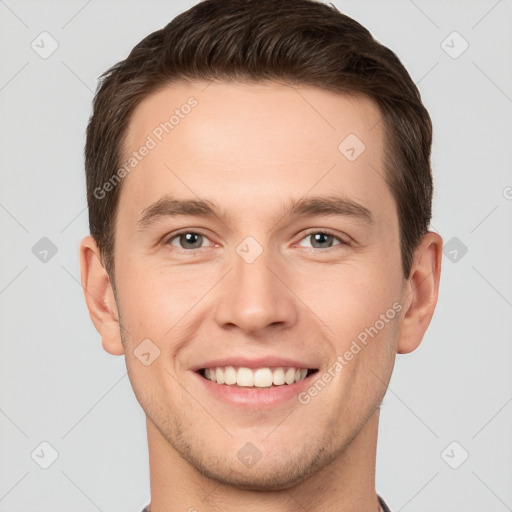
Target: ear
{"x":420,"y":293}
{"x":99,"y":296}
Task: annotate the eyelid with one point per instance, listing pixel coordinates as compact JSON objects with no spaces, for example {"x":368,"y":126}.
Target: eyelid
{"x":325,"y":232}
{"x":171,"y":236}
{"x":167,"y":239}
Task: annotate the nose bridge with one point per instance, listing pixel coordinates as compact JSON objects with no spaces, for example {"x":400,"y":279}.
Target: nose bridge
{"x":254,"y":278}
{"x":254,"y":297}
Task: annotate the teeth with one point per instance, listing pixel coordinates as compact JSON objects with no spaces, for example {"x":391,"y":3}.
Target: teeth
{"x":278,"y":378}
{"x":244,"y":377}
{"x":259,"y":377}
{"x":289,"y":378}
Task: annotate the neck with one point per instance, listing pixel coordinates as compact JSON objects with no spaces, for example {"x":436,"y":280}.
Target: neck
{"x":346,"y":483}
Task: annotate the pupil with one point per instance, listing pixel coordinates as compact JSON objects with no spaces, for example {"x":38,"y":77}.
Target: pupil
{"x":320,"y":238}
{"x":188,"y":238}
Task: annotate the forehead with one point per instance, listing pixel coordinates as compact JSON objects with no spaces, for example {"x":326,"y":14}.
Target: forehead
{"x":242,"y":140}
{"x":236,"y":109}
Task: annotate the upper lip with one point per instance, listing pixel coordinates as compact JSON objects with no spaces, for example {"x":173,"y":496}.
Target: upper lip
{"x":260,"y":362}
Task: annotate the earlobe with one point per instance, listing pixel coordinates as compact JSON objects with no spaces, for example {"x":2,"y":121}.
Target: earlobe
{"x":99,"y":296}
{"x":421,"y":291}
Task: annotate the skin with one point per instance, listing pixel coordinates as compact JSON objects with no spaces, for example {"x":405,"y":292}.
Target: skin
{"x":251,"y":148}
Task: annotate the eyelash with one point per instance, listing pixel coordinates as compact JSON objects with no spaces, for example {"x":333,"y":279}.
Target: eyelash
{"x":168,"y":240}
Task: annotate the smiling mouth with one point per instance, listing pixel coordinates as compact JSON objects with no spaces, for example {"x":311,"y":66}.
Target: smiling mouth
{"x":261,"y":378}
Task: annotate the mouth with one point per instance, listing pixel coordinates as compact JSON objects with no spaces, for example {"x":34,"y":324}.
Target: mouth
{"x":257,"y":378}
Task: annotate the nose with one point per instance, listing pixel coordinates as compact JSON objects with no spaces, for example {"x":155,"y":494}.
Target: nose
{"x":256,"y":296}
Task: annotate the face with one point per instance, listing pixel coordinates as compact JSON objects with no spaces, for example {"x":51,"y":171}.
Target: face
{"x":289,"y":256}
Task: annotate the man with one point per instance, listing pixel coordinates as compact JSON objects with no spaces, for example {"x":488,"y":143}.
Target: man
{"x":259,"y":189}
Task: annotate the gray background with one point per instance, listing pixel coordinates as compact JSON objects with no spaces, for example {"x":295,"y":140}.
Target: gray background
{"x":58,"y":386}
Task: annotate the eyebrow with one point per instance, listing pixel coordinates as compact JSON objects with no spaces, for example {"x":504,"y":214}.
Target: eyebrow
{"x":168,"y":206}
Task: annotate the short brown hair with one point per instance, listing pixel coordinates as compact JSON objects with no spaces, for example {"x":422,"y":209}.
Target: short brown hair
{"x":299,"y":42}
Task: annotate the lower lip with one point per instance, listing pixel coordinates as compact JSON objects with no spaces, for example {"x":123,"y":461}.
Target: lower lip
{"x":255,"y":397}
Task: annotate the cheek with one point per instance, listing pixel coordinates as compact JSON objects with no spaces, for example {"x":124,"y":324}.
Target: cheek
{"x":351,"y":295}
{"x":359,"y":309}
{"x":158,"y":300}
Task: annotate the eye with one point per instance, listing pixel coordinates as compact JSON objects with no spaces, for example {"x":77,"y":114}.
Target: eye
{"x":322,"y":240}
{"x":187,"y":240}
